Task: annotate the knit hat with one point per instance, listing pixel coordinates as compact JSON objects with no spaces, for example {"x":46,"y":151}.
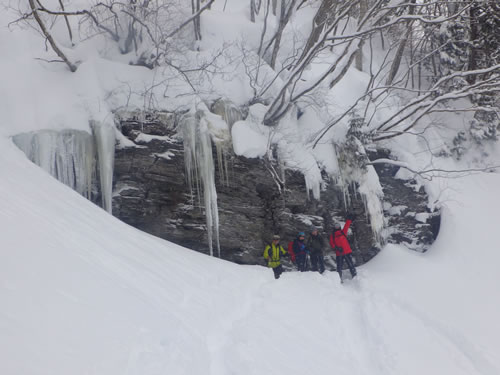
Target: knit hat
{"x":276,"y":237}
{"x":301,"y":234}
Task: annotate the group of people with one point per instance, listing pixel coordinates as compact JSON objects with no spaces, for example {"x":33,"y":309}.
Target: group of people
{"x":301,"y":249}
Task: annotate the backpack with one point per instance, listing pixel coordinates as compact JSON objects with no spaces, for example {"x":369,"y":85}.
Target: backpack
{"x":290,"y":251}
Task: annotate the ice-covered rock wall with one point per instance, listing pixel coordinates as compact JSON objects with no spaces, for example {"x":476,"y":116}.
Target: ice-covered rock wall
{"x":151,"y":192}
{"x":175,"y":175}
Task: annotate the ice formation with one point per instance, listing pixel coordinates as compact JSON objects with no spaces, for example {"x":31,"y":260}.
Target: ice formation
{"x":367,"y":184}
{"x":71,"y":156}
{"x":200,"y":129}
{"x":67,"y":155}
{"x":105,"y":142}
{"x":229,"y":112}
{"x":225,"y":115}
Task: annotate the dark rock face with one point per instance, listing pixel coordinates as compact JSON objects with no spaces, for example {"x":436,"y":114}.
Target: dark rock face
{"x":151,"y":193}
{"x":405,"y":206}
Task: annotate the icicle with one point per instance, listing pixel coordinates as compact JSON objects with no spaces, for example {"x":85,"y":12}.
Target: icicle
{"x":105,"y":141}
{"x":199,"y":163}
{"x":69,"y":156}
{"x":222,"y":151}
{"x":228,"y":111}
{"x":207,"y":173}
{"x":229,"y":114}
{"x":371,"y":193}
{"x":189,"y":130}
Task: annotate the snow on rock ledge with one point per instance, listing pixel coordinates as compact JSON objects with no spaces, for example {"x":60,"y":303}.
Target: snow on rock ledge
{"x":248,"y":140}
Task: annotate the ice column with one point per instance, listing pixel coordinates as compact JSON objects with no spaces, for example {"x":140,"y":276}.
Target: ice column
{"x":229,"y":113}
{"x":105,"y":142}
{"x":71,"y":155}
{"x":200,"y":167}
{"x":67,"y":155}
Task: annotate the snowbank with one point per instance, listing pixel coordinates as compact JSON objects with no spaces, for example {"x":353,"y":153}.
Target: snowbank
{"x":84,"y":293}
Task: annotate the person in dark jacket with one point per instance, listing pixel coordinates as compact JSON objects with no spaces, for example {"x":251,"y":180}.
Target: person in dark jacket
{"x":340,"y":244}
{"x":315,"y":245}
{"x":300,"y":250}
{"x":273,"y":254}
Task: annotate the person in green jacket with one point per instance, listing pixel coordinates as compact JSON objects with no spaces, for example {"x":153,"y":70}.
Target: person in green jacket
{"x":272,"y":254}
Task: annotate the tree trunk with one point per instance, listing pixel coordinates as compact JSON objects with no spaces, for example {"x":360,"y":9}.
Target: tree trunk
{"x":285,"y":15}
{"x":322,"y":18}
{"x":195,"y":4}
{"x":401,"y":48}
{"x":363,"y":7}
{"x":51,"y":40}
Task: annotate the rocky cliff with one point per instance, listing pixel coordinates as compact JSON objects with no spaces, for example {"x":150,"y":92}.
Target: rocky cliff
{"x":151,"y":193}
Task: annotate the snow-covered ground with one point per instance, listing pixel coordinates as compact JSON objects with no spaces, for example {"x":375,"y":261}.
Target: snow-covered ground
{"x":83,"y":293}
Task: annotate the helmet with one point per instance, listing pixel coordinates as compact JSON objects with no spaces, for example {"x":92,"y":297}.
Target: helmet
{"x":301,"y":234}
{"x":276,"y":237}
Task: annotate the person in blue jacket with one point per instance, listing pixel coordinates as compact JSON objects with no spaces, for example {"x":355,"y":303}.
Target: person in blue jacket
{"x":300,"y":250}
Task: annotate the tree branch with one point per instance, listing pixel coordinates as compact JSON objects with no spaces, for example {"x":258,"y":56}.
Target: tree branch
{"x":424,"y":173}
{"x":72,"y":67}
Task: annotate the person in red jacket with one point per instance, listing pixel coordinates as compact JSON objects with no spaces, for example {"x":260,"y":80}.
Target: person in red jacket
{"x":340,"y":244}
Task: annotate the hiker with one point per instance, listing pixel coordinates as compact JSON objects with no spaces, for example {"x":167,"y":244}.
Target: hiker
{"x":300,"y":250}
{"x":339,"y":242}
{"x":315,"y":245}
{"x":272,"y":254}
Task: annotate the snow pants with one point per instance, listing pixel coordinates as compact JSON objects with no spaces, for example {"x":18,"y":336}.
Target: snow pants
{"x":350,"y":264}
{"x":301,"y":261}
{"x":317,"y":262}
{"x":277,"y":271}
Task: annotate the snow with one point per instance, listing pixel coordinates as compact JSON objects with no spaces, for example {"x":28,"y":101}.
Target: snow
{"x":248,"y":140}
{"x":84,"y":293}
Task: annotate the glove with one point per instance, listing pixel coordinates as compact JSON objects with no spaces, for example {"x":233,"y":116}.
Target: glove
{"x":350,"y":216}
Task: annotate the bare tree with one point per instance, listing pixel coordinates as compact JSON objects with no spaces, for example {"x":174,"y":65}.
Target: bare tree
{"x":377,"y":17}
{"x":145,"y":27}
{"x":49,"y":37}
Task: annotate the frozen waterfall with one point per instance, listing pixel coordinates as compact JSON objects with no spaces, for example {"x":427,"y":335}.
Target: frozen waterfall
{"x":67,"y":155}
{"x":74,"y":157}
{"x":200,"y":130}
{"x":229,"y":113}
{"x":105,"y":141}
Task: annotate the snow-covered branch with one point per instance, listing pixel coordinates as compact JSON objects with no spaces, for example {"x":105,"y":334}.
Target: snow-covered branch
{"x":432,"y":172}
{"x":49,"y":37}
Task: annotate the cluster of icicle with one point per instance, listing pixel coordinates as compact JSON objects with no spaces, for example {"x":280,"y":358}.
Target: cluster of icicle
{"x":200,"y":170}
{"x":203,"y":129}
{"x":73,"y":157}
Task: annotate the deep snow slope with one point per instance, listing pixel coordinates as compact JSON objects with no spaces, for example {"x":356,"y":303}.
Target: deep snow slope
{"x":82,"y":293}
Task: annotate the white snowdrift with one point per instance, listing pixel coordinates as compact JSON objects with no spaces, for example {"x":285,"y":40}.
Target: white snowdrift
{"x":83,"y":293}
{"x":248,"y":140}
